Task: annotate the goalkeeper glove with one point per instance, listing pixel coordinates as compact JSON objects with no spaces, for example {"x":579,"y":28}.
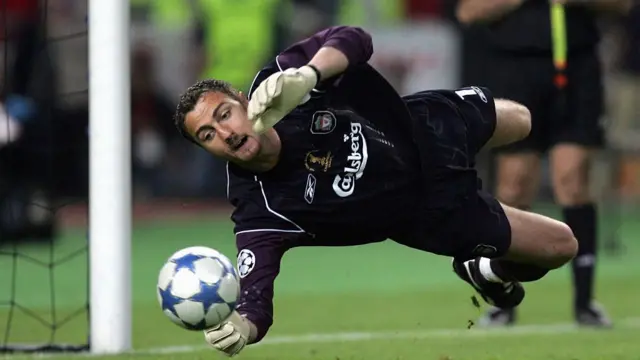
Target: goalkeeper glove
{"x":231,"y":336}
{"x":279,"y":94}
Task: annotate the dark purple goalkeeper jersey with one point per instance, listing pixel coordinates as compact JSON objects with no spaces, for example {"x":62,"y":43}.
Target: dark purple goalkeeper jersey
{"x":347,"y":163}
{"x":350,"y":170}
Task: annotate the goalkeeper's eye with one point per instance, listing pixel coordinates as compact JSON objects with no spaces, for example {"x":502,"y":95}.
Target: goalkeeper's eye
{"x":225,"y":115}
{"x":206,"y":135}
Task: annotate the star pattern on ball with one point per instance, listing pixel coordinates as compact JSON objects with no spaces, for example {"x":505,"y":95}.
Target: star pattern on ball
{"x":204,"y":295}
{"x":169,"y":301}
{"x":208,"y":295}
{"x":197,"y":297}
{"x":187,"y":262}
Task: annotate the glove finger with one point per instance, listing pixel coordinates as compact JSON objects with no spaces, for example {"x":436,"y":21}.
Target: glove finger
{"x":267,"y":120}
{"x":258,"y":126}
{"x":218,"y":335}
{"x":237,"y":347}
{"x":228,"y":343}
{"x":263,"y":97}
{"x":264,"y":87}
{"x":273,"y":86}
{"x":260,"y":95}
{"x":254,"y":109}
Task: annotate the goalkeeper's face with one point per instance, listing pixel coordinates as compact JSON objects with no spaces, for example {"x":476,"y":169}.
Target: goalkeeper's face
{"x":219,"y":123}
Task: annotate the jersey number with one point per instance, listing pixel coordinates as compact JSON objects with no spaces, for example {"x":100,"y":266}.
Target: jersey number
{"x":465,"y":92}
{"x":471,"y":91}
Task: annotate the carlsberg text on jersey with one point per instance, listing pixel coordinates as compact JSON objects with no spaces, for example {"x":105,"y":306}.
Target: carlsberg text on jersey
{"x":344,"y":184}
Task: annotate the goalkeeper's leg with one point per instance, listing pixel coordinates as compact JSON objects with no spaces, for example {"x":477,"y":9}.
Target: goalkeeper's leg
{"x":517,"y":180}
{"x":538,"y":244}
{"x":510,"y":245}
{"x":495,"y":247}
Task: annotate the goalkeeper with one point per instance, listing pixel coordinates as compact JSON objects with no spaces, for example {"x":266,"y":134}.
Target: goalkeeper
{"x":324,"y":152}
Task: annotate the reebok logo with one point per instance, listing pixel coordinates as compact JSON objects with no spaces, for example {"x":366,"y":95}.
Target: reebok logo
{"x":310,"y":189}
{"x":344,"y":184}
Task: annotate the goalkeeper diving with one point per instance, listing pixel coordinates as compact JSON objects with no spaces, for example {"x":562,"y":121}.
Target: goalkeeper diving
{"x":322,"y":151}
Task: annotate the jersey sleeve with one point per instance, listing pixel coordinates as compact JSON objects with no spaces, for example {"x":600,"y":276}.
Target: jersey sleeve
{"x":354,"y":42}
{"x":259,"y":256}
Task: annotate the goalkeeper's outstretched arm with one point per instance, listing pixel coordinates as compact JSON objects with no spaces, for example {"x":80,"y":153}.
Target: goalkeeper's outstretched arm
{"x":332,"y":51}
{"x":259,"y":255}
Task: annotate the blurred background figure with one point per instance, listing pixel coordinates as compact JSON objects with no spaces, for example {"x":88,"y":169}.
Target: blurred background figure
{"x":150,"y":125}
{"x":626,"y":82}
{"x":516,"y":37}
{"x":26,"y":119}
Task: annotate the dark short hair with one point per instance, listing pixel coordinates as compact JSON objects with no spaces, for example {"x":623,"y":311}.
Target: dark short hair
{"x":193,"y":94}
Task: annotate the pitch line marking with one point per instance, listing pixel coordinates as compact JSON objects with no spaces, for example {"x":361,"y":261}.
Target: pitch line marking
{"x":519,"y":330}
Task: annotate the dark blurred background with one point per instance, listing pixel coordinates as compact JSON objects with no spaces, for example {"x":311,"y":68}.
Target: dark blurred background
{"x":44,"y":89}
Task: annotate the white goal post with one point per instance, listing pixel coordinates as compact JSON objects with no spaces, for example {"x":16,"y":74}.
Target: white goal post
{"x":110,"y":176}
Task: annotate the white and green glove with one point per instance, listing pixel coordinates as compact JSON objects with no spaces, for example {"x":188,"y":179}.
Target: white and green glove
{"x":231,"y":336}
{"x":279,"y":94}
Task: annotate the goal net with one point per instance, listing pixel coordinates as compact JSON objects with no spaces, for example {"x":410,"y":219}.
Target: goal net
{"x":64,"y":285}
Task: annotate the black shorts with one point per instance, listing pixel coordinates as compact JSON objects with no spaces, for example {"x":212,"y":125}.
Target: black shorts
{"x":456,"y":217}
{"x":573,"y":116}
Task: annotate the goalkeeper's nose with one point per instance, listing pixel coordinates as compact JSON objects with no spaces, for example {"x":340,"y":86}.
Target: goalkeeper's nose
{"x":224,"y":133}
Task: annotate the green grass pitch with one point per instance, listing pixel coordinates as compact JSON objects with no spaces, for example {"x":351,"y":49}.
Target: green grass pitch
{"x":374,"y":302}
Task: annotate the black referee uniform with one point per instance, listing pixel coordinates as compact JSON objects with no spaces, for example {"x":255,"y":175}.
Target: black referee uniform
{"x":518,"y":49}
{"x":521,"y":69}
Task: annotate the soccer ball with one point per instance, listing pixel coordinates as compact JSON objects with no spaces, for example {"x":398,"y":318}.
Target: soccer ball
{"x":198,"y":288}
